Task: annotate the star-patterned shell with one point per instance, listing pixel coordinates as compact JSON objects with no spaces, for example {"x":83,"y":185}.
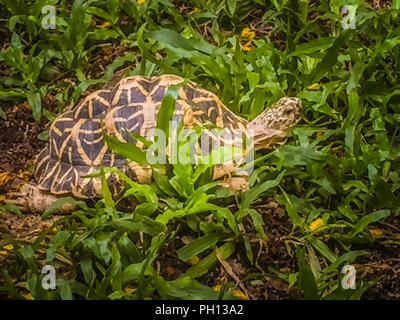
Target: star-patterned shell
{"x":76,"y":146}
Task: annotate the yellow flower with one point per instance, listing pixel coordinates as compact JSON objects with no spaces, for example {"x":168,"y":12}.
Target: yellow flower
{"x":24,"y":175}
{"x":217,"y":86}
{"x":28,"y":296}
{"x":6,"y":249}
{"x":237,"y":293}
{"x":316,"y":224}
{"x":129,"y":290}
{"x":314,"y":86}
{"x":194,"y":260}
{"x":248,"y":33}
{"x":5,"y":177}
{"x":324,"y":237}
{"x":104,"y":25}
{"x":247,"y":46}
{"x":240,"y":294}
{"x":376,"y":232}
{"x":140,"y":1}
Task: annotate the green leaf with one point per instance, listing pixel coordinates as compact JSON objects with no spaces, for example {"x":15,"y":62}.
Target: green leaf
{"x":326,"y":185}
{"x":2,"y":113}
{"x":127,"y":150}
{"x":103,"y":14}
{"x":351,"y":294}
{"x":348,"y":213}
{"x":115,"y":269}
{"x":169,"y":215}
{"x":187,"y":288}
{"x":87,"y":268}
{"x":197,"y":246}
{"x":105,"y":34}
{"x":15,"y":41}
{"x":13,"y":21}
{"x":59,"y":239}
{"x":384,"y":193}
{"x":306,"y":278}
{"x":128,"y":249}
{"x":148,"y":56}
{"x":290,"y":209}
{"x":258,"y":223}
{"x":59,"y":203}
{"x":356,"y":75}
{"x":133,"y":270}
{"x":105,"y":190}
{"x":368,"y":219}
{"x":355,"y":110}
{"x":163,"y":183}
{"x":44,"y":136}
{"x":167,"y":108}
{"x":202,"y":267}
{"x":141,"y":224}
{"x":346,"y":257}
{"x":184,"y":47}
{"x":7,"y":94}
{"x":35,"y":103}
{"x":29,"y":256}
{"x":256,"y":191}
{"x":65,"y":291}
{"x":231,"y":4}
{"x":312,"y":46}
{"x":104,"y":250}
{"x":10,"y":207}
{"x":322,"y":248}
{"x":330,"y":58}
{"x":91,"y":244}
{"x":117,"y":295}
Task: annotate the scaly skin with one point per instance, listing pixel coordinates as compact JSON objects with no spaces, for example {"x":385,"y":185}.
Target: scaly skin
{"x":31,"y":199}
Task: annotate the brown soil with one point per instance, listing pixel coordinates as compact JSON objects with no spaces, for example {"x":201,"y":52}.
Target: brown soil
{"x":379,"y":4}
{"x":18,"y":137}
{"x":383,"y":262}
{"x":25,"y":228}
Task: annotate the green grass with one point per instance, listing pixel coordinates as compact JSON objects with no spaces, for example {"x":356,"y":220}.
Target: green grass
{"x":340,"y":163}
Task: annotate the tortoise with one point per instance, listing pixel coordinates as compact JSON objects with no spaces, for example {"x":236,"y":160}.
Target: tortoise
{"x":76,"y":145}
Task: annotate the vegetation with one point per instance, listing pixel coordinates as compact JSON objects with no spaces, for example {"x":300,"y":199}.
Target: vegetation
{"x":337,"y":173}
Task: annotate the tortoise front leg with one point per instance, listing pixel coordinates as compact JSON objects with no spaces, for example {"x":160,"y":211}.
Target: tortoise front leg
{"x":237,"y":183}
{"x":31,"y":199}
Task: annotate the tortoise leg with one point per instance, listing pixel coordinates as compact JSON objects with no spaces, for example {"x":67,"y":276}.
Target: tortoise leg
{"x":236,"y":183}
{"x":31,"y":199}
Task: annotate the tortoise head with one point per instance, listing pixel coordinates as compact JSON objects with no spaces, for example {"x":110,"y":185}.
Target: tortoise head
{"x":270,"y":127}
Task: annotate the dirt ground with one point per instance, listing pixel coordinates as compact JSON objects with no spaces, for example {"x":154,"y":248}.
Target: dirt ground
{"x":18,"y":138}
